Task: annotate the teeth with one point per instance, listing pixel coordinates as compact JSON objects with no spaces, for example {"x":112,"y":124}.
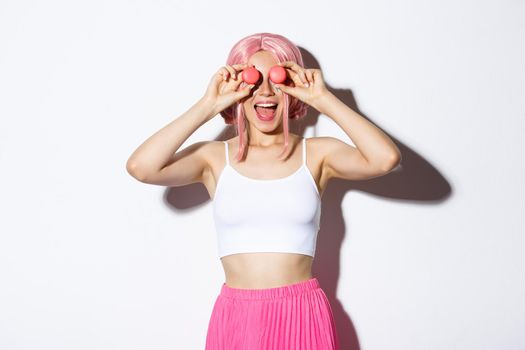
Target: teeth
{"x":266,"y":104}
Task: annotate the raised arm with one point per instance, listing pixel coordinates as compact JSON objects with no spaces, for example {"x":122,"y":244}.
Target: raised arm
{"x":375,"y":153}
{"x":156,"y":160}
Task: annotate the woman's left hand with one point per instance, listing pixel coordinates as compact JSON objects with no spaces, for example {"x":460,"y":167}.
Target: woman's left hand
{"x":309,"y":84}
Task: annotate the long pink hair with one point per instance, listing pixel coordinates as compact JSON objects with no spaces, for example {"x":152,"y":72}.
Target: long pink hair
{"x":283,"y":50}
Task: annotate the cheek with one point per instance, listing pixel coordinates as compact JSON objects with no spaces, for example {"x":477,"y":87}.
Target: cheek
{"x":247,"y":108}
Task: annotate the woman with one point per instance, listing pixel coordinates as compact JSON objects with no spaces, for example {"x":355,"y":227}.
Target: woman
{"x":266,"y":185}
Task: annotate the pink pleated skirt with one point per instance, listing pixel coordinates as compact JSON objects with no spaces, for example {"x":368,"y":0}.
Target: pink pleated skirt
{"x":292,"y":317}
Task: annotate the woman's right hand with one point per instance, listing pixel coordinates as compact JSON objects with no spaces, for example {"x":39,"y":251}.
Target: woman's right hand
{"x":223,"y":91}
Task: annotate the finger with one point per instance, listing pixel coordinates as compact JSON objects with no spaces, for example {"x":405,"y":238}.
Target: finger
{"x":297,"y":69}
{"x":245,"y":91}
{"x":310,"y":76}
{"x":232,"y":71}
{"x":233,"y":83}
{"x":220,"y":73}
{"x":288,"y":64}
{"x":296,"y":78}
{"x":224,"y":73}
{"x":317,"y":75}
{"x":304,"y":80}
{"x":238,"y":81}
{"x":239,"y":66}
{"x":293,"y":75}
{"x":220,"y":76}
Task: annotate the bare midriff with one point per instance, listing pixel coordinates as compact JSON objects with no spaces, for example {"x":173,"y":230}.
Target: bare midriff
{"x":266,"y":270}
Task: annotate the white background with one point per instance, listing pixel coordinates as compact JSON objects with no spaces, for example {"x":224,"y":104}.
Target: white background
{"x":429,"y":257}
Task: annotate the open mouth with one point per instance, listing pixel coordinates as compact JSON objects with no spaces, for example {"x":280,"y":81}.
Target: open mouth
{"x":265,"y":111}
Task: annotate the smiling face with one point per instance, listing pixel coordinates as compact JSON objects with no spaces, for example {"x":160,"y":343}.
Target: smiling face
{"x":264,"y":93}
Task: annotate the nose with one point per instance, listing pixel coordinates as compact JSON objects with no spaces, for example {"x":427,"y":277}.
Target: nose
{"x":266,"y":88}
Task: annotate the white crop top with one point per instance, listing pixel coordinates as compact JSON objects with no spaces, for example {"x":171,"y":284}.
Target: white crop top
{"x":266,"y":215}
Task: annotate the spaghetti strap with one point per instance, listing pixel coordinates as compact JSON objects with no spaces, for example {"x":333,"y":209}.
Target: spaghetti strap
{"x":304,"y":151}
{"x":226,"y":152}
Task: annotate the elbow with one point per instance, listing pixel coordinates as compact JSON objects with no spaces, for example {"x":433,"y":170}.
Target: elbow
{"x":134,"y":170}
{"x":391,"y":163}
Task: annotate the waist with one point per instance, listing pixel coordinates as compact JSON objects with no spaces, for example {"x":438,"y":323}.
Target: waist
{"x":266,"y":269}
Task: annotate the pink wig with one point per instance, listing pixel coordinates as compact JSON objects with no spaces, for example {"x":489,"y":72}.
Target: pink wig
{"x":283,"y":50}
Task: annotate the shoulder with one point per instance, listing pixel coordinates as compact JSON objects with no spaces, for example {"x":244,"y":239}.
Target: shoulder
{"x":212,"y":149}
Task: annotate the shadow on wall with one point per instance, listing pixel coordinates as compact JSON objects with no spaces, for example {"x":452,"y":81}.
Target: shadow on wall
{"x":415,"y":180}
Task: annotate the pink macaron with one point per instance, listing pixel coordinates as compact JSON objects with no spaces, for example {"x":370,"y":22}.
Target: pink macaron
{"x":277,"y":74}
{"x":250,"y":75}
